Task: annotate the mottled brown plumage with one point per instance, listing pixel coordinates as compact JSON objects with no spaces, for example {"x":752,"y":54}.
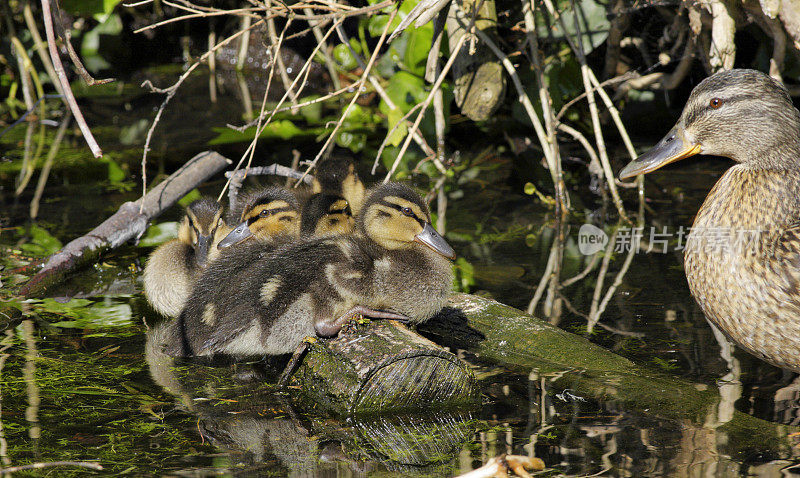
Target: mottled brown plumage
{"x":252,"y":303}
{"x":742,"y":256}
{"x":174,"y":266}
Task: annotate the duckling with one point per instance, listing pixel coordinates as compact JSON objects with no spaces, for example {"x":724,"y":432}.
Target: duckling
{"x":264,"y":215}
{"x":748,"y":283}
{"x":338,"y":176}
{"x":174,"y":266}
{"x":395,"y":266}
{"x":326,"y":214}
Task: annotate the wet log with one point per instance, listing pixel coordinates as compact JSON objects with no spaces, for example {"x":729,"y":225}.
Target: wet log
{"x":129,"y":222}
{"x":383,"y":367}
{"x":506,"y":336}
{"x":479,"y":84}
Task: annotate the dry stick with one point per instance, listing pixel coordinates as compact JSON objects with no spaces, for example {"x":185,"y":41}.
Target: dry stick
{"x":127,"y":223}
{"x":170,"y":92}
{"x":212,"y":67}
{"x":601,"y":275}
{"x":547,"y":106}
{"x":76,"y":60}
{"x":329,"y":63}
{"x":593,"y":111}
{"x":244,"y":43}
{"x":594,"y":316}
{"x":62,"y":78}
{"x":299,"y":105}
{"x":39,"y":466}
{"x":619,"y":79}
{"x":385,"y":142}
{"x":357,"y":87}
{"x":418,"y":138}
{"x":522,"y":96}
{"x":251,"y":150}
{"x":548,"y":270}
{"x":273,"y":37}
{"x":38,"y":44}
{"x":259,"y":127}
{"x":48,"y":163}
{"x":583,"y":273}
{"x":425,"y":105}
{"x":238,"y":12}
{"x":7,"y":342}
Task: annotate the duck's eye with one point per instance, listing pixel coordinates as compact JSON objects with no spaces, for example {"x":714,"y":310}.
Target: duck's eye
{"x":407,"y":211}
{"x":715,"y":103}
{"x":264,"y":213}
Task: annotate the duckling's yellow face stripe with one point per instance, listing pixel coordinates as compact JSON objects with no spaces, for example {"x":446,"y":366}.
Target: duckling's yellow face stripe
{"x":271,"y":219}
{"x":337,"y":220}
{"x":394,"y":222}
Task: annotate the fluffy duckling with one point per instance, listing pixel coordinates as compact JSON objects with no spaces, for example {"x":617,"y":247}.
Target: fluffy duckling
{"x":174,"y":266}
{"x":395,"y":266}
{"x":326,"y":214}
{"x":264,"y":215}
{"x":338,"y":177}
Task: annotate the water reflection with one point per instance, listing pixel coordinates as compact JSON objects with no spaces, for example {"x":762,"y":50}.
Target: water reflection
{"x":242,"y":412}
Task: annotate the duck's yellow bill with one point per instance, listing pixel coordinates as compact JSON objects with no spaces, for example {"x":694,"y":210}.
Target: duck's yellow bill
{"x":671,"y":148}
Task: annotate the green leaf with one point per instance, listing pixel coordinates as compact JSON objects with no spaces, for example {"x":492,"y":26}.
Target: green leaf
{"x":159,"y":233}
{"x":193,"y":195}
{"x":88,"y":7}
{"x":393,"y":117}
{"x":280,"y":129}
{"x":115,"y":173}
{"x":42,"y":242}
{"x":593,"y":23}
{"x":343,"y":55}
{"x":417,"y":48}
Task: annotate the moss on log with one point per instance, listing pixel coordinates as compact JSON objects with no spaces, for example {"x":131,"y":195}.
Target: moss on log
{"x":383,"y":367}
{"x":509,"y":337}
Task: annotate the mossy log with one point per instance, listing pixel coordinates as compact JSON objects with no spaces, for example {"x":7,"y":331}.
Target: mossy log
{"x":479,"y":84}
{"x":383,"y":367}
{"x":509,"y":337}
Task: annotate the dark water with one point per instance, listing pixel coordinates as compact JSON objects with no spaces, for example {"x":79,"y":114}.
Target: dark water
{"x":80,"y":384}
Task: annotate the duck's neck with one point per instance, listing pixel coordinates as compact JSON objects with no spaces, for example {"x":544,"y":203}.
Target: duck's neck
{"x":752,"y":199}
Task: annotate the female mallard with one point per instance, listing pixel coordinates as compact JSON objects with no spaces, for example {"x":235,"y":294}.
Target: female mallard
{"x":394,"y":266}
{"x":174,"y":266}
{"x":742,"y":256}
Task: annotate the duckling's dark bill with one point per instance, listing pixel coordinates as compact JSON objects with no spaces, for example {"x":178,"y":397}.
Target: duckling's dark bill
{"x":237,"y":235}
{"x":671,"y":148}
{"x":435,"y":241}
{"x":203,"y":245}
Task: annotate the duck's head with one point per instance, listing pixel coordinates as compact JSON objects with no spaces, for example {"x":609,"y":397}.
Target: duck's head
{"x":325,"y":214}
{"x":396,"y":217}
{"x":740,"y":114}
{"x":268,"y":213}
{"x":338,"y":176}
{"x":199,"y":226}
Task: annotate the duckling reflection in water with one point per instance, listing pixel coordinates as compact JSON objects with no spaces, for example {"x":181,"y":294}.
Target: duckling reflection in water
{"x":750,"y":290}
{"x":395,"y":266}
{"x":174,"y":266}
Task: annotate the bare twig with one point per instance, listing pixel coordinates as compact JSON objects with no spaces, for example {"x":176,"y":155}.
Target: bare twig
{"x":62,"y":78}
{"x":39,"y":466}
{"x":357,"y":87}
{"x":76,"y":60}
{"x":48,"y":163}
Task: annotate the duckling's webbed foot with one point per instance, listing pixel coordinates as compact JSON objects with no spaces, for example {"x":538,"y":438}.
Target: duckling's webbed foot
{"x":329,"y":328}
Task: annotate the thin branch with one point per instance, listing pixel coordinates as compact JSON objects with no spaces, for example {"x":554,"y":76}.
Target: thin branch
{"x":62,"y":78}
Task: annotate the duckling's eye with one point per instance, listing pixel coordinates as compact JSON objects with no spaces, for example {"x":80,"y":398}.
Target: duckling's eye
{"x":407,"y":211}
{"x":715,"y":103}
{"x":264,"y":213}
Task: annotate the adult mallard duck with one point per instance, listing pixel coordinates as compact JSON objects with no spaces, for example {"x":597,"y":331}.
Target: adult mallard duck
{"x":395,"y":266}
{"x":174,"y":266}
{"x":742,"y":255}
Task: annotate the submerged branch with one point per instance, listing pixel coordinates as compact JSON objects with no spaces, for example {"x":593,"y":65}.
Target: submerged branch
{"x":129,"y":222}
